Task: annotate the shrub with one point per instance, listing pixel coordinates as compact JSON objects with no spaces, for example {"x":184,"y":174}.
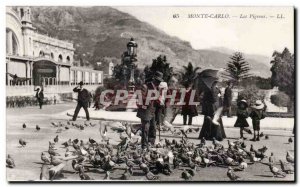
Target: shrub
{"x":251,"y":94}
{"x":280,"y":99}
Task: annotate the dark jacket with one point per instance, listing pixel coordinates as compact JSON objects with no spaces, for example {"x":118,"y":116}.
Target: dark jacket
{"x":256,"y":116}
{"x":210,"y":102}
{"x":188,"y":109}
{"x":227,"y":97}
{"x":147,"y":112}
{"x":39,"y":95}
{"x":83,"y":95}
{"x":241,"y":121}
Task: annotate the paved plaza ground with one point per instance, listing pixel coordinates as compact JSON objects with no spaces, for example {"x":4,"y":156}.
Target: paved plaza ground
{"x":28,"y":162}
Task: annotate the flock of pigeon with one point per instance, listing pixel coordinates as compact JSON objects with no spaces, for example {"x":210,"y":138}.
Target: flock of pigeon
{"x":163,"y":158}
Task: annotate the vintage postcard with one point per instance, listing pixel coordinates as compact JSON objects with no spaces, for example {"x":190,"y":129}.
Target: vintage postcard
{"x":157,"y":93}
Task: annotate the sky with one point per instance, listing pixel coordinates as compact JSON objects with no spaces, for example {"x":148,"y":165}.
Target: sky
{"x":261,"y":30}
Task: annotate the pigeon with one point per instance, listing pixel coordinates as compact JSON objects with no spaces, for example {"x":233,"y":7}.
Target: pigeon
{"x":290,"y":140}
{"x":55,"y":160}
{"x":44,"y":172}
{"x":92,"y":141}
{"x":67,"y":128}
{"x":51,"y":145}
{"x":289,"y":157}
{"x":271,"y":158}
{"x":75,"y":141}
{"x":56,"y":139}
{"x":125,"y":175}
{"x":81,"y":127}
{"x":242,"y":166}
{"x":231,"y":175}
{"x":103,"y":133}
{"x":253,"y":158}
{"x":150,"y":175}
{"x":252,"y":148}
{"x":276,"y":172}
{"x":65,"y":144}
{"x":68,"y":153}
{"x":22,"y":142}
{"x":263,"y":149}
{"x":186,"y":175}
{"x":266,"y":137}
{"x":92,"y":125}
{"x":107,"y":175}
{"x":261,"y":134}
{"x":82,"y":175}
{"x":287,"y":168}
{"x":37,"y":127}
{"x":10,"y":162}
{"x":191,"y":172}
{"x":54,"y":124}
{"x":24,"y":126}
{"x":52,"y":152}
{"x":45,"y":158}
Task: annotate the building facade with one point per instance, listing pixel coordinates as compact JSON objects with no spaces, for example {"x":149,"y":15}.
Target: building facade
{"x":35,"y":59}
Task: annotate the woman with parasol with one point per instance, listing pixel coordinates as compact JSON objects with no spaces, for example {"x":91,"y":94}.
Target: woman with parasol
{"x":211,"y":108}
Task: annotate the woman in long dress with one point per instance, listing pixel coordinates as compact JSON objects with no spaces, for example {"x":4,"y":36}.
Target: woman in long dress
{"x":211,"y":109}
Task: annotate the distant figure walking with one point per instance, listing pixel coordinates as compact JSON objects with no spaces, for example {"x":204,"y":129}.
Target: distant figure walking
{"x":188,"y":111}
{"x":228,"y":99}
{"x":82,"y":101}
{"x":40,"y":96}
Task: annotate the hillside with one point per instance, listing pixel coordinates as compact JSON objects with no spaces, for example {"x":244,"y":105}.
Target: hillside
{"x":104,"y":32}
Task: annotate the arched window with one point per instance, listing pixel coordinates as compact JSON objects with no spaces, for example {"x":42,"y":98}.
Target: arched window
{"x":60,"y":58}
{"x":68,"y":59}
{"x":12,"y":46}
{"x":42,"y":54}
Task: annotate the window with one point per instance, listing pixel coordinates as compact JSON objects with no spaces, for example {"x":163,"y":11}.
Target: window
{"x":60,"y":58}
{"x":52,"y":56}
{"x":68,"y":59}
{"x":42,"y":54}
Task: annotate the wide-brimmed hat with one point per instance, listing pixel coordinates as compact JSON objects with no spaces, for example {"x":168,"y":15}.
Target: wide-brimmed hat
{"x":258,"y":105}
{"x":243,"y":101}
{"x":159,"y":76}
{"x":81,"y":83}
{"x":163,"y":85}
{"x":209,"y":77}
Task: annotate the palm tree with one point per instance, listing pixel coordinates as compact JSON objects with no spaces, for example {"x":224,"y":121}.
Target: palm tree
{"x":189,"y":74}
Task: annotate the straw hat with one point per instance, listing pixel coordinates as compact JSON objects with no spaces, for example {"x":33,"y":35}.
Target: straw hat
{"x":258,"y":105}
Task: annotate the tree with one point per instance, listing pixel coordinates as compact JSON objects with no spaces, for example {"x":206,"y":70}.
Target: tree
{"x":189,"y":74}
{"x":159,"y":64}
{"x":237,"y":68}
{"x":283,"y":74}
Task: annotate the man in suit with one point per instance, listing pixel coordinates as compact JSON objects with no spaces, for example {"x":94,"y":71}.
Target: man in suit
{"x":82,"y":101}
{"x":228,"y":99}
{"x":40,"y":96}
{"x":147,"y":112}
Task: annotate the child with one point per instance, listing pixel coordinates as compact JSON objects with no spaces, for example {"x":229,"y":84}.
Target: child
{"x":242,"y":115}
{"x":258,"y":113}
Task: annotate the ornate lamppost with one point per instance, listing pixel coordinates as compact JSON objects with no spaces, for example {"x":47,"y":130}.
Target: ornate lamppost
{"x":129,"y":57}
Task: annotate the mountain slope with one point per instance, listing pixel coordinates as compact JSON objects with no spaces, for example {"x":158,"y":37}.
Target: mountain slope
{"x":103,"y":31}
